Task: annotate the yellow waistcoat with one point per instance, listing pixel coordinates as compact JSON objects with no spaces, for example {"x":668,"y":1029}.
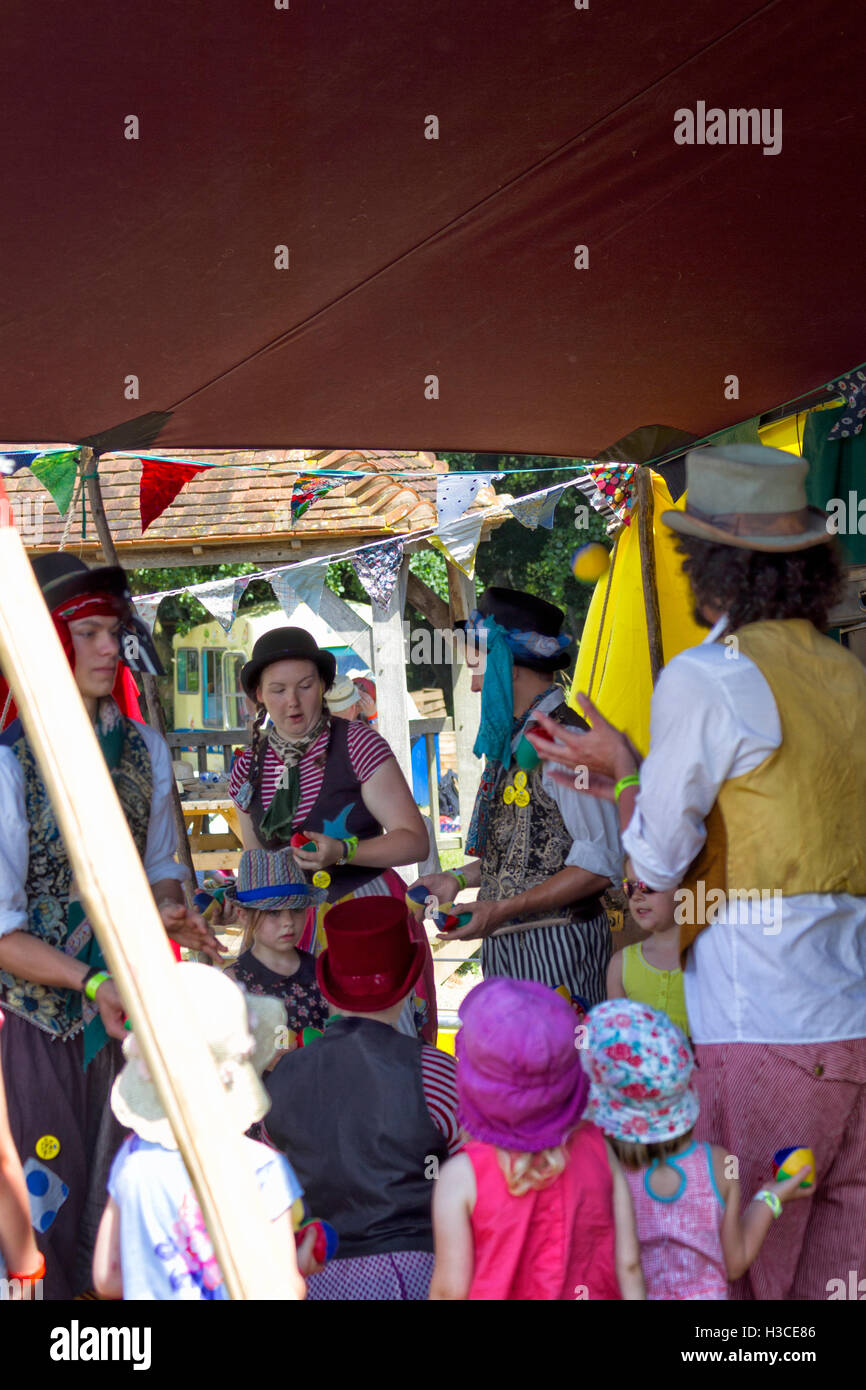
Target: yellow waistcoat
{"x":797,"y":822}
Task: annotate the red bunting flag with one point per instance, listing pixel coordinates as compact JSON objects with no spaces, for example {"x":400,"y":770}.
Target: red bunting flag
{"x":160,"y":484}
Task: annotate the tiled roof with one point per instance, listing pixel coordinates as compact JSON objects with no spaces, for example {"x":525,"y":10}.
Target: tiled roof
{"x":243,"y":504}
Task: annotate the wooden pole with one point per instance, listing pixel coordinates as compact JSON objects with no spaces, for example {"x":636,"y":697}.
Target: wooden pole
{"x":89,"y":469}
{"x":467,"y":706}
{"x":644,"y":510}
{"x":255,"y":1262}
{"x":392,"y":692}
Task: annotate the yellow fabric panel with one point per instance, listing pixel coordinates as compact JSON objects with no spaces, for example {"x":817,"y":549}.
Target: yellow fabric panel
{"x":622,"y":684}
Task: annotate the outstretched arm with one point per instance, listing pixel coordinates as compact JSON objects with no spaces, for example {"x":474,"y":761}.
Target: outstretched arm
{"x":453,"y":1200}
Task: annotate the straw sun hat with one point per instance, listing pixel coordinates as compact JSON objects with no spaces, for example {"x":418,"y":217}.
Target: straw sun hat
{"x":242,"y":1034}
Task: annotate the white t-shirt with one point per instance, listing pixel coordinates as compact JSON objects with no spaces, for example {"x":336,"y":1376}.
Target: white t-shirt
{"x":165,"y":1248}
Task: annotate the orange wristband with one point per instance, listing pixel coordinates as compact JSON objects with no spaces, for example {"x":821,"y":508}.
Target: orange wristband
{"x":37,"y":1273}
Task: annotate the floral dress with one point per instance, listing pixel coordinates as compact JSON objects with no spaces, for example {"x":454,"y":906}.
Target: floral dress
{"x":299,"y":992}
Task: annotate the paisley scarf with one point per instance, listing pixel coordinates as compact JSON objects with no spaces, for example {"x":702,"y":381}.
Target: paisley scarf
{"x":277,"y":820}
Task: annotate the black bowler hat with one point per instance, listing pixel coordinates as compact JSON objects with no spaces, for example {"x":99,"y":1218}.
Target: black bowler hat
{"x":286,"y":644}
{"x":518,"y":611}
{"x":62,"y":577}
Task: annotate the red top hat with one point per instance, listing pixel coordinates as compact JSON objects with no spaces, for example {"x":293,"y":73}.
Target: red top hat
{"x":371,"y":960}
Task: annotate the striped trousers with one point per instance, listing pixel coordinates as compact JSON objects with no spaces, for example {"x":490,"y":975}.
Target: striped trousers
{"x":757,"y":1098}
{"x":574,"y":954}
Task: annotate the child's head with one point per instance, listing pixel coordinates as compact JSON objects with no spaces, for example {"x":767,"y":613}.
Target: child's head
{"x":273,"y":896}
{"x":520,"y":1084}
{"x":651,"y":910}
{"x":242,"y":1032}
{"x":640,"y":1066}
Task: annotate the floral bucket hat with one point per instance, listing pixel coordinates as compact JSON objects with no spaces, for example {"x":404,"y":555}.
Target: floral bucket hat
{"x":640,"y":1069}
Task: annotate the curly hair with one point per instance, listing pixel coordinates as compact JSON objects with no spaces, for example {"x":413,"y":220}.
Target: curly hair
{"x":756,"y":585}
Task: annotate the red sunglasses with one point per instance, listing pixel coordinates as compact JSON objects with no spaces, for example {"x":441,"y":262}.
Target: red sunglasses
{"x":636,"y":885}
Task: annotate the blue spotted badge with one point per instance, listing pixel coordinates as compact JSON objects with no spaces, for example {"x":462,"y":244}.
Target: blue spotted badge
{"x":46,"y":1192}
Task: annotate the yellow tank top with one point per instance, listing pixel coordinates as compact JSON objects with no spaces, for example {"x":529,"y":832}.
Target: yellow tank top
{"x":661,"y":989}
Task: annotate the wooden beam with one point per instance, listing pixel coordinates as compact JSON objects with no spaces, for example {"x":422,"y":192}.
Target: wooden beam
{"x":89,"y":466}
{"x":646,"y":543}
{"x":467,"y":706}
{"x":255,"y":1262}
{"x":428,"y":603}
{"x":389,"y":669}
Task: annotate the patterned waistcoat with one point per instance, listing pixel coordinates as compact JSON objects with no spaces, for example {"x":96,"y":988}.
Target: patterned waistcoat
{"x":527,"y":844}
{"x":49,"y":877}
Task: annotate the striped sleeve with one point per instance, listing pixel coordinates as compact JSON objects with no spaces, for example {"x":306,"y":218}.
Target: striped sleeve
{"x":367,"y":750}
{"x":239,"y":773}
{"x":439,"y":1079}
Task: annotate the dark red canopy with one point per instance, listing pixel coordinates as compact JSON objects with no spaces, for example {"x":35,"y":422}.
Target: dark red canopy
{"x":411,"y":257}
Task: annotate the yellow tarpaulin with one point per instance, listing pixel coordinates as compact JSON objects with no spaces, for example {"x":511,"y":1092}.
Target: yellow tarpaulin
{"x":621,"y":684}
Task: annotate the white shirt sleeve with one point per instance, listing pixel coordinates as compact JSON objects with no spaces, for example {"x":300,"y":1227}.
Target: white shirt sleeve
{"x":593,"y":826}
{"x":159,"y":854}
{"x":14,"y":845}
{"x":712,"y":717}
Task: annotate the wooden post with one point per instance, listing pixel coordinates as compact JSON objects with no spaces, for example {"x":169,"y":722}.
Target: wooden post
{"x":389,"y":667}
{"x":467,"y":706}
{"x":432,"y":782}
{"x":256,"y":1263}
{"x":89,"y":462}
{"x":644,"y":510}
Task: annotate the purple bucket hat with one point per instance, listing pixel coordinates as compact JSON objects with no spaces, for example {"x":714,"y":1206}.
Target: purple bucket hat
{"x":520,"y":1084}
{"x":640,"y":1065}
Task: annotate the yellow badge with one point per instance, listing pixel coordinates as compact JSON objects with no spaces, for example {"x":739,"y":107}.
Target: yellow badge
{"x":47,"y":1146}
{"x":520,"y":780}
{"x":321,"y":879}
{"x":521,"y":798}
{"x":508,"y":795}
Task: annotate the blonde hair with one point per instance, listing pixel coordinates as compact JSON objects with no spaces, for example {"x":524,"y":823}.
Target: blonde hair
{"x":252,"y":920}
{"x":638,"y":1156}
{"x":529,"y":1172}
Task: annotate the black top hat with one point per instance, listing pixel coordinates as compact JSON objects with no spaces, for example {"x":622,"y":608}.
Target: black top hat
{"x":286,"y":644}
{"x":518,"y":611}
{"x":62,"y":577}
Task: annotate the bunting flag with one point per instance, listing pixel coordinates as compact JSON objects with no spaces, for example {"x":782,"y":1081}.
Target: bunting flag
{"x":457,"y":491}
{"x":610,"y":488}
{"x":299,"y":584}
{"x":853,"y":388}
{"x":378,"y":570}
{"x":537,"y":508}
{"x":459,"y":542}
{"x":56,"y":472}
{"x":160,"y":484}
{"x":15,"y":459}
{"x":146,"y":606}
{"x":221,"y":598}
{"x":307,"y":489}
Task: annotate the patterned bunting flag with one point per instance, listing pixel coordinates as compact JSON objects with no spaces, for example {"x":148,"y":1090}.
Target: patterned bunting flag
{"x":146,"y":606}
{"x":457,"y":491}
{"x":15,"y":459}
{"x":221,"y":598}
{"x":160,"y":484}
{"x":459,"y":542}
{"x":537,"y":508}
{"x":56,"y":472}
{"x":307,"y":489}
{"x":853,"y":388}
{"x":299,"y":584}
{"x":610,"y":488}
{"x":378,"y":570}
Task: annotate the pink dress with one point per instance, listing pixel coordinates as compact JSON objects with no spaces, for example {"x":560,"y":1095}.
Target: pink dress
{"x":680,"y":1236}
{"x":555,"y":1243}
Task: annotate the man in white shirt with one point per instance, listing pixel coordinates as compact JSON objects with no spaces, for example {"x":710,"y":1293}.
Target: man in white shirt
{"x":751,"y":800}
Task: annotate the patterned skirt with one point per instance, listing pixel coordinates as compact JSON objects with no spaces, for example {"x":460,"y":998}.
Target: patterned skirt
{"x":419,"y":1015}
{"x":402,"y":1275}
{"x":574,"y":954}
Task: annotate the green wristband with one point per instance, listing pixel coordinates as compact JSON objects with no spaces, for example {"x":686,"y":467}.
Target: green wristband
{"x":93,"y":983}
{"x":350,"y":845}
{"x":773,"y":1200}
{"x":632,"y":780}
{"x":461,"y":880}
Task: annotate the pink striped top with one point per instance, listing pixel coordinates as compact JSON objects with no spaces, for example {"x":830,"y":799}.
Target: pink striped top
{"x":367,"y":752}
{"x":439,"y":1080}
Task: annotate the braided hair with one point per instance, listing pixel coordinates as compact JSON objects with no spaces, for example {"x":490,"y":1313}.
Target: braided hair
{"x":258,"y":746}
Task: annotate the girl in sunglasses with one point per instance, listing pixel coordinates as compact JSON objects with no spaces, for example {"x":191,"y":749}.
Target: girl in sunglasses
{"x":649,"y":971}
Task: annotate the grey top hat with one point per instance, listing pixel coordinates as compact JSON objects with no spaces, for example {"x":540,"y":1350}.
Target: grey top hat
{"x":749,"y":496}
